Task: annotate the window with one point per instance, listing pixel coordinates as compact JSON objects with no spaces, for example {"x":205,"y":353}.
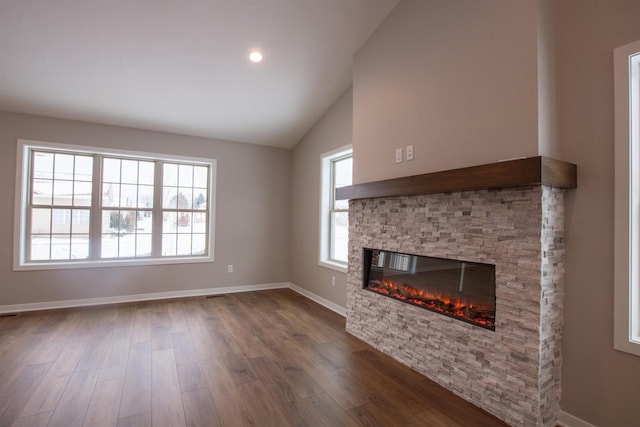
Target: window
{"x":78,"y":206}
{"x":627,"y":199}
{"x":336,"y":168}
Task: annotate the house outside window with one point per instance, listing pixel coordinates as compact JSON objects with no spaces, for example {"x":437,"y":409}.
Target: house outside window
{"x":627,"y":199}
{"x":336,"y":172}
{"x":82,"y":207}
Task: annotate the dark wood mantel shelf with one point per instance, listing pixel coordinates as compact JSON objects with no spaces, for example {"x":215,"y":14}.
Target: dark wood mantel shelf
{"x":511,"y":173}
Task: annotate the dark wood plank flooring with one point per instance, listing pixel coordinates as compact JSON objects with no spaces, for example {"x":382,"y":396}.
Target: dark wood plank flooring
{"x":269,"y":358}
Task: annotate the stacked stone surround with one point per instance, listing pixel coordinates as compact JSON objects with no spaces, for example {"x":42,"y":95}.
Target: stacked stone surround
{"x":514,"y":372}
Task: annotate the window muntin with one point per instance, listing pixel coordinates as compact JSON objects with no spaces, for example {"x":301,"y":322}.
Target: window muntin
{"x":337,"y":169}
{"x":78,"y":206}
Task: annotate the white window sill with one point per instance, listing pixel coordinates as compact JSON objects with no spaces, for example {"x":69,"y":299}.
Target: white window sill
{"x":111,"y":263}
{"x":342,"y":268}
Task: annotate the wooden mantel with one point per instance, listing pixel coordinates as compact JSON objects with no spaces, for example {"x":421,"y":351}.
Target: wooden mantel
{"x":511,"y":173}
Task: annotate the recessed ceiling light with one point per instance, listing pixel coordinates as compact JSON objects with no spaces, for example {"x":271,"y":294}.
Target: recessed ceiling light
{"x":255,"y":56}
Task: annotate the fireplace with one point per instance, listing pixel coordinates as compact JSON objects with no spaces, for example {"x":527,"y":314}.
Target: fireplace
{"x":508,"y":216}
{"x":462,"y":290}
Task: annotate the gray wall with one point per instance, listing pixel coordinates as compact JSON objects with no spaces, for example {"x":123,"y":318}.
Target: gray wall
{"x":332,"y":131}
{"x":599,"y":384}
{"x":252,"y":215}
{"x":457,"y":79}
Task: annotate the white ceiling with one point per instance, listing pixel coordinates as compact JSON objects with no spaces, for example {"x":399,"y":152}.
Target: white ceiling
{"x":181,"y":66}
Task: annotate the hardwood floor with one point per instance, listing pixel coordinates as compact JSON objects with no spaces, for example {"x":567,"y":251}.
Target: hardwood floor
{"x":269,"y":358}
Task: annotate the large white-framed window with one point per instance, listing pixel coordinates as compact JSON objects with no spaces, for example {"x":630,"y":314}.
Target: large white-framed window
{"x":80,"y":206}
{"x":627,"y":199}
{"x":336,"y":171}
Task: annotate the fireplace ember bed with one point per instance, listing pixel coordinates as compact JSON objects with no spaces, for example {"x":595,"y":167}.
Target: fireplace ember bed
{"x":459,"y":289}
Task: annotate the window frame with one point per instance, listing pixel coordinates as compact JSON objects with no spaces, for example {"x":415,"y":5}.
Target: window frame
{"x":25,"y":149}
{"x":627,"y":199}
{"x":327,"y":199}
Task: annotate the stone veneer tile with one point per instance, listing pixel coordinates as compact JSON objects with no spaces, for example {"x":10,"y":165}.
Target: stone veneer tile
{"x":513,"y":372}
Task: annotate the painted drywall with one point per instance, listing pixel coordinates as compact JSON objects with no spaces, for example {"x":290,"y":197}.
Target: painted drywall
{"x":599,"y":385}
{"x":331,"y":132}
{"x":456,"y":79}
{"x":252,"y":215}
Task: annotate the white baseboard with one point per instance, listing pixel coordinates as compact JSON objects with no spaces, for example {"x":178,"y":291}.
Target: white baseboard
{"x":568,"y":420}
{"x":322,"y":301}
{"x":17,"y":308}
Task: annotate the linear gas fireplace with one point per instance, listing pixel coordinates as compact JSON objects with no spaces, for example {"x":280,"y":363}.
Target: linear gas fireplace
{"x":459,"y":289}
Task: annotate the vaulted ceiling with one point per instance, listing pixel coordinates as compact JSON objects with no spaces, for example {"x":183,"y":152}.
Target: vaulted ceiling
{"x":182,"y":66}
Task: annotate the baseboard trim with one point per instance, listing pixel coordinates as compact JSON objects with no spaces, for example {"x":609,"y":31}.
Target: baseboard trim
{"x":49,"y":305}
{"x":322,"y":301}
{"x":567,"y":420}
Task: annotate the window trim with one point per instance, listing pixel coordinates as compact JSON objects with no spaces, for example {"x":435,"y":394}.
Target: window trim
{"x":627,"y":199}
{"x":325,"y":232}
{"x":22,"y":196}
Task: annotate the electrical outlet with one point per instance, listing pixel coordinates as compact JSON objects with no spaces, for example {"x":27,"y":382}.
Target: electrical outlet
{"x":398,"y":155}
{"x":230,"y":268}
{"x":333,"y":280}
{"x":409,"y":152}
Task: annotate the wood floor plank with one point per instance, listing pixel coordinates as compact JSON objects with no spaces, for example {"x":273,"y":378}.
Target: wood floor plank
{"x":137,"y":420}
{"x":16,"y":395}
{"x":199,"y":409}
{"x":74,"y":402}
{"x":190,"y":372}
{"x":105,"y":403}
{"x":329,"y":412}
{"x":261,"y":405}
{"x":230,"y":408}
{"x":166,"y":397}
{"x":46,"y":396}
{"x":136,"y":392}
{"x":36,"y":420}
{"x":114,"y":365}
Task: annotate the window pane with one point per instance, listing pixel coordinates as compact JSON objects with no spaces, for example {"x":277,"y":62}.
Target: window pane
{"x":184,"y":244}
{"x":343,"y":171}
{"x":40,"y":247}
{"x":145,"y":223}
{"x":63,"y":166}
{"x":170,"y":175}
{"x":42,"y":192}
{"x":61,"y":221}
{"x":199,"y":198}
{"x":185,"y":198}
{"x":62,"y":193}
{"x":170,"y":198}
{"x":43,"y":165}
{"x":111,"y":170}
{"x":80,"y":246}
{"x":185,"y":178}
{"x":130,"y":171}
{"x":82,"y":194}
{"x":184,"y":222}
{"x":41,"y":221}
{"x":60,"y":247}
{"x":80,"y":221}
{"x":199,"y":222}
{"x":146,"y":173}
{"x":110,"y":195}
{"x":128,"y":196}
{"x":200,"y":177}
{"x":83,"y":168}
{"x":199,"y":244}
{"x":145,"y":196}
{"x":339,"y":246}
{"x":127,"y":245}
{"x":109,"y":246}
{"x":169,"y":244}
{"x":143,"y":245}
{"x":169,"y":222}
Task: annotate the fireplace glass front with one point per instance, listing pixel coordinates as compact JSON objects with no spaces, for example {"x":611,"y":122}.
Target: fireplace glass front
{"x":460,"y":289}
